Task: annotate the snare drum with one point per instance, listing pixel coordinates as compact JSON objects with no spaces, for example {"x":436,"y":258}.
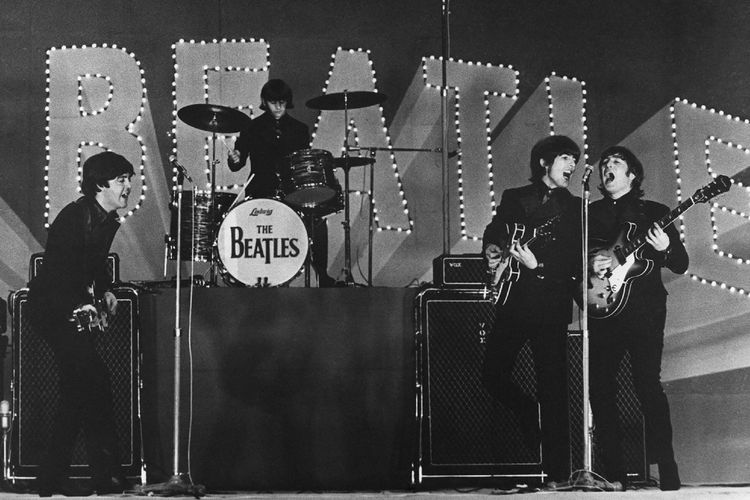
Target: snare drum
{"x":262,"y":242}
{"x":198,"y":224}
{"x":307,"y":177}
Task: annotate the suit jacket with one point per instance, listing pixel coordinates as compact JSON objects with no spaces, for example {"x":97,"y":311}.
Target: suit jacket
{"x":542,"y":295}
{"x":267,"y":144}
{"x":75,"y":256}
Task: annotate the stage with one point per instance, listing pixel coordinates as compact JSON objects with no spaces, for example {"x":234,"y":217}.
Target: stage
{"x":293,"y":388}
{"x":693,"y":492}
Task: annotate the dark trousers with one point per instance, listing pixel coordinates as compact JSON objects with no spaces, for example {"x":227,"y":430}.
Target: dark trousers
{"x":639,"y":331}
{"x":549,"y":349}
{"x":85,"y":402}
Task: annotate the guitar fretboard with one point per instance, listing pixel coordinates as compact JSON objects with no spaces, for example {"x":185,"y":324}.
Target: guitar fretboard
{"x":640,"y":240}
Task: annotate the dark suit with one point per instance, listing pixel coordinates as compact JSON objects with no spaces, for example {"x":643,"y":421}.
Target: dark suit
{"x":75,"y":256}
{"x":538,"y":310}
{"x":639,"y":329}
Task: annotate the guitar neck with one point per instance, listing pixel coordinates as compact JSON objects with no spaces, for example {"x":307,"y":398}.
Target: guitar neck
{"x":640,"y":240}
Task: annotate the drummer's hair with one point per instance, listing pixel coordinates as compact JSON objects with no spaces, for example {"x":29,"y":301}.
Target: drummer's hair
{"x":101,"y":168}
{"x":276,"y":90}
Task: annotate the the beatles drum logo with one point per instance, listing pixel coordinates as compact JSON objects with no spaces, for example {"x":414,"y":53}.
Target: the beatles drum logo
{"x":265,"y":248}
{"x":262,"y":240}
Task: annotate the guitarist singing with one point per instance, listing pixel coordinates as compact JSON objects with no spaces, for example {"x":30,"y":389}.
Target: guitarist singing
{"x":539,"y":306}
{"x":639,"y":327}
{"x":74,"y":269}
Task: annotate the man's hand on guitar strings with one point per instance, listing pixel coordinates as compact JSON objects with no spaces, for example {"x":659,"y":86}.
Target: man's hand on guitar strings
{"x":600,"y":265}
{"x":494,"y":255}
{"x":523,"y":255}
{"x":657,"y":238}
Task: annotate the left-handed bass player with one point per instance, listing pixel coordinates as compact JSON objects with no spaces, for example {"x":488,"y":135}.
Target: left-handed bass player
{"x":74,"y":276}
{"x":539,"y":305}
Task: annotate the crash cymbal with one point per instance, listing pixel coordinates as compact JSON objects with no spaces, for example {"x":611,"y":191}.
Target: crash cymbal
{"x":355,"y":99}
{"x":213,"y":118}
{"x":352,"y":161}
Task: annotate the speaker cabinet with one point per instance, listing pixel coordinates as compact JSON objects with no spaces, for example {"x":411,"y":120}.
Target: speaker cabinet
{"x":463,"y":431}
{"x":632,"y":425}
{"x":113,"y":266}
{"x":36,"y":388}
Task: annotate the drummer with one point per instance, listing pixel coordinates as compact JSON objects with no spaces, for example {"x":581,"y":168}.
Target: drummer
{"x":267,"y":140}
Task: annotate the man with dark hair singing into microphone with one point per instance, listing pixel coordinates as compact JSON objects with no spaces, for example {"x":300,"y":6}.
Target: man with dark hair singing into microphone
{"x":67,"y":298}
{"x":639,"y":327}
{"x":539,"y":305}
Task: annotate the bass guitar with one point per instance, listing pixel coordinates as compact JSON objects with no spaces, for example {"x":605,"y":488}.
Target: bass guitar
{"x":500,"y":278}
{"x":608,"y":295}
{"x":91,"y":316}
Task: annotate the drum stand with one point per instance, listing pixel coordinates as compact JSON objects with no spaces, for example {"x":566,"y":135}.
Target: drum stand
{"x":346,"y":272}
{"x":309,"y":219}
{"x":212,"y":212}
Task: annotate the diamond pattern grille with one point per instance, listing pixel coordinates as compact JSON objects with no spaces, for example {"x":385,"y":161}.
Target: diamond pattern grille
{"x":631,"y":418}
{"x":464,"y":430}
{"x":36,"y":386}
{"x":464,"y":426}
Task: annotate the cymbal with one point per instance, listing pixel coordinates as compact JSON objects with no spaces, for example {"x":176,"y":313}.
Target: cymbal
{"x":213,"y":118}
{"x":352,"y":161}
{"x":355,"y":99}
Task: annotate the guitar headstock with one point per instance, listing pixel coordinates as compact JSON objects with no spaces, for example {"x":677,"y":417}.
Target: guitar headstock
{"x":544,"y":230}
{"x":717,"y":187}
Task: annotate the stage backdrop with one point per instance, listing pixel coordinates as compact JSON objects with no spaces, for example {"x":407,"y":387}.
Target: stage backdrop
{"x":668,"y":79}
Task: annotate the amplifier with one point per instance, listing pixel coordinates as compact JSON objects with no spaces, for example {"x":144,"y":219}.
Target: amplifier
{"x":466,"y":270}
{"x":462,"y":431}
{"x":113,"y":266}
{"x":35,"y":389}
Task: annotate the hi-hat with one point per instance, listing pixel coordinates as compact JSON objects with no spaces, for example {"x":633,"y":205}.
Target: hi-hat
{"x":346,"y":100}
{"x":352,"y":161}
{"x":214,"y":118}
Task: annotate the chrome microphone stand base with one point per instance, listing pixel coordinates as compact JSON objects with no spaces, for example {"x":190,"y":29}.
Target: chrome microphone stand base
{"x":583,"y":480}
{"x":177,"y":485}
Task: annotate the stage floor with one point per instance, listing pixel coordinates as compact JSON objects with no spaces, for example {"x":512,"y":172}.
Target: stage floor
{"x":697,"y":492}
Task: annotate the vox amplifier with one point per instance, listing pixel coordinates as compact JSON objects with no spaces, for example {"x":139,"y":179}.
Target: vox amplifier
{"x":468,"y":270}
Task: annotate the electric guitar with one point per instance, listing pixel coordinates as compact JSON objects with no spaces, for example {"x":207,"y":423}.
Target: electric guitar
{"x":92,"y":318}
{"x":500,"y":279}
{"x":607,"y":296}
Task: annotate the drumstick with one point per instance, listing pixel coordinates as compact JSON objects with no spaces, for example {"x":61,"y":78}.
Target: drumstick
{"x":224,"y":142}
{"x":241,"y":194}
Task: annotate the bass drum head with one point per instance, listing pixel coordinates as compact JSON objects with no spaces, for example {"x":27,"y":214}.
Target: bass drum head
{"x":262,"y":242}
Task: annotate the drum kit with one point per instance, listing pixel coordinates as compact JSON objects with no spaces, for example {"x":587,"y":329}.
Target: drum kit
{"x":263,"y":241}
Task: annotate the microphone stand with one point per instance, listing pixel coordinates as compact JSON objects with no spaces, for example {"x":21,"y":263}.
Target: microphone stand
{"x":585,"y":475}
{"x":180,"y":483}
{"x":444,"y":125}
{"x":584,"y":479}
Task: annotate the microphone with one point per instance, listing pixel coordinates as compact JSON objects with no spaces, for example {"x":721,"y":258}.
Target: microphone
{"x":4,"y":415}
{"x":180,"y":168}
{"x":587,"y":173}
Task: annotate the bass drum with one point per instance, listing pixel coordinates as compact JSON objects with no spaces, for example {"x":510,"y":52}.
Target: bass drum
{"x":262,"y":242}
